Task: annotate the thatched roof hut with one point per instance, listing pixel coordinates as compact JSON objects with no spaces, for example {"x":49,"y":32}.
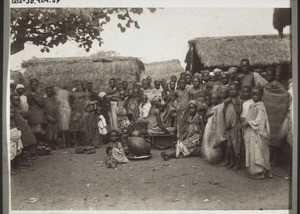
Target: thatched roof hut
{"x":98,"y":70}
{"x":224,"y":52}
{"x":164,"y":69}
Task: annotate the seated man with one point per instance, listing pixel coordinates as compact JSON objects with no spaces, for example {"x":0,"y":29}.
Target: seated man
{"x":155,"y":125}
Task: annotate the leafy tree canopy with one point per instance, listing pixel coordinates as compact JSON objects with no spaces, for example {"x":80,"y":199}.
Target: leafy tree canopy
{"x":281,"y":19}
{"x":49,"y":27}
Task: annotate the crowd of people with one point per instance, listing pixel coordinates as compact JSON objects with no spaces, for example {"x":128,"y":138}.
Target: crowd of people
{"x":235,"y":118}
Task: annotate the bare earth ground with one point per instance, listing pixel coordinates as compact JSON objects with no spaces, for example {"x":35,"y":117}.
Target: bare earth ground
{"x":68,"y":181}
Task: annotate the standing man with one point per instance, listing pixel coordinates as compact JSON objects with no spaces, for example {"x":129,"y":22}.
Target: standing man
{"x":248,"y":78}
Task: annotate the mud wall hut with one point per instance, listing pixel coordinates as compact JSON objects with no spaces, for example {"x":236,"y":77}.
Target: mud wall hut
{"x":164,"y":69}
{"x":224,"y":52}
{"x":98,"y":70}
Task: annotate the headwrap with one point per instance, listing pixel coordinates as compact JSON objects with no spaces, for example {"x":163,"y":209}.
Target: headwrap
{"x":217,"y":71}
{"x":102,"y":94}
{"x":198,"y":75}
{"x":33,"y":80}
{"x":211,"y":74}
{"x":19,"y":86}
{"x":12,"y":81}
{"x":204,"y":71}
{"x":194,"y":102}
{"x":232,"y":70}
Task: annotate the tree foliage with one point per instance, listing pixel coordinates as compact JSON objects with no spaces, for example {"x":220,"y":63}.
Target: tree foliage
{"x":281,"y":19}
{"x":49,"y":27}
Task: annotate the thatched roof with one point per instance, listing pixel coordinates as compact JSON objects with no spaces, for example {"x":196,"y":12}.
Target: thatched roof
{"x":16,"y":76}
{"x":164,"y":69}
{"x":261,"y":50}
{"x":98,"y":70}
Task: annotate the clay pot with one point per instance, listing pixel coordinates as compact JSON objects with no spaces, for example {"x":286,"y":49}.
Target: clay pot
{"x":139,"y":146}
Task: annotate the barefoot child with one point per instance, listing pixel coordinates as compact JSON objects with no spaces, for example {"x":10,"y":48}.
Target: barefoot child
{"x":257,"y":135}
{"x":117,"y":149}
{"x":232,"y":111}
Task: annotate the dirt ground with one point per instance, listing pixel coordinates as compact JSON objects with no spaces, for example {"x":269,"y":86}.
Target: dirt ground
{"x":68,"y":181}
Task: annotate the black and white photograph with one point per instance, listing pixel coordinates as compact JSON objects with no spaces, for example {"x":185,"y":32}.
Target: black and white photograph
{"x":150,"y":108}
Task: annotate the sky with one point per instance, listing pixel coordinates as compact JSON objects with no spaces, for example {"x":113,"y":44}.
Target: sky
{"x":163,"y":35}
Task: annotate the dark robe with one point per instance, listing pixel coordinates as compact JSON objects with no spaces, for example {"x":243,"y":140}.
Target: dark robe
{"x":27,"y":136}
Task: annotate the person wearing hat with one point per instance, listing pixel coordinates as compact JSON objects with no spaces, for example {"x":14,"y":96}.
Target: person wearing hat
{"x":189,"y":144}
{"x":20,"y":89}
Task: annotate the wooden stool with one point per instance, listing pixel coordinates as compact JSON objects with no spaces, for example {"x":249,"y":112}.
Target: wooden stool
{"x":162,"y":141}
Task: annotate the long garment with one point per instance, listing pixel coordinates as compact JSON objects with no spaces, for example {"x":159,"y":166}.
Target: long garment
{"x":51,"y":107}
{"x":27,"y":136}
{"x":64,"y":111}
{"x":193,"y":141}
{"x":232,"y":128}
{"x":36,"y":115}
{"x":198,"y":95}
{"x":246,"y":105}
{"x":113,"y":115}
{"x":91,"y":129}
{"x":122,"y":119}
{"x":23,"y":103}
{"x":78,"y":104}
{"x":256,"y":137}
{"x":15,"y":143}
{"x":182,"y":105}
{"x":276,"y":100}
{"x":214,"y":134}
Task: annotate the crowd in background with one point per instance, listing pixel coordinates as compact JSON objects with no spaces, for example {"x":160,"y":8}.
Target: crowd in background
{"x":234,"y":118}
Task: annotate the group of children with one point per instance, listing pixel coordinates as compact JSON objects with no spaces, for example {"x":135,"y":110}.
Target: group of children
{"x":224,"y":116}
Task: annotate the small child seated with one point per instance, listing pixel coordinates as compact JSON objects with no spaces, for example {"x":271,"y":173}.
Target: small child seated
{"x":118,"y":152}
{"x":110,"y":161}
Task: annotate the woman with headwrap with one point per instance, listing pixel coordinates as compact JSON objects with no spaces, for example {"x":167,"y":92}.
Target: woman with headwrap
{"x":23,"y":99}
{"x":36,"y":115}
{"x":189,"y":144}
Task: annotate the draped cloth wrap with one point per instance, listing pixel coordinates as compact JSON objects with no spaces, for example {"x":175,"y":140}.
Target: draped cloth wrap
{"x":276,"y":100}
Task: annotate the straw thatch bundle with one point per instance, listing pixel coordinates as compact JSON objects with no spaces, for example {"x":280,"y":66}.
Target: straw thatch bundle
{"x":224,"y":52}
{"x":165,"y":69}
{"x":16,"y":76}
{"x":98,"y":70}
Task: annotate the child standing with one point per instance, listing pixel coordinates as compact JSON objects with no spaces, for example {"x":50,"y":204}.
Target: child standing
{"x":256,"y":135}
{"x":232,"y":111}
